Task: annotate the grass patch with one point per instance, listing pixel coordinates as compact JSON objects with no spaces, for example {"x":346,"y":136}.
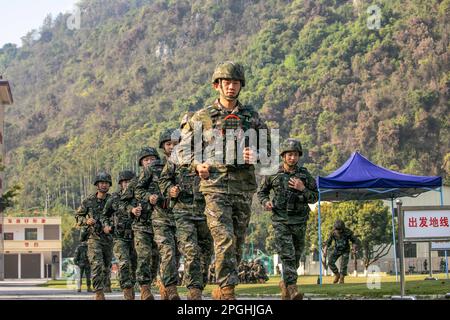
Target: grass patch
{"x":354,"y":287}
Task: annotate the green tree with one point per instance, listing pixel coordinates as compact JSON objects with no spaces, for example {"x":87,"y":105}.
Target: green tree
{"x":369,"y":220}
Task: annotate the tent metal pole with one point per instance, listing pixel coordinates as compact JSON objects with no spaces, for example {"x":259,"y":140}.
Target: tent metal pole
{"x":446,"y":256}
{"x":393,"y":239}
{"x":320,"y":243}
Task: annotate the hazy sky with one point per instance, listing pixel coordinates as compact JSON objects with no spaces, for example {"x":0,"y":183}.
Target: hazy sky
{"x":18,"y":17}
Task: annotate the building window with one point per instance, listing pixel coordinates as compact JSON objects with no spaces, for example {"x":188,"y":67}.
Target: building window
{"x":410,"y":250}
{"x":8,"y":236}
{"x":31,"y":234}
{"x":51,"y":232}
{"x":441,"y":253}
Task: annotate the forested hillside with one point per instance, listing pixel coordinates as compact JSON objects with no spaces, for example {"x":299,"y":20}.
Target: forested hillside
{"x":88,"y":99}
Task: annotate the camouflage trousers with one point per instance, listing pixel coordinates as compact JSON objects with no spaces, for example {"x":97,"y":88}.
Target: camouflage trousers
{"x":228,"y":217}
{"x":169,"y":256}
{"x":143,"y":243}
{"x":127,"y":259}
{"x":290,"y":244}
{"x":196,"y":245}
{"x":100,"y":258}
{"x":84,"y":271}
{"x":345,"y":256}
{"x":155,"y":260}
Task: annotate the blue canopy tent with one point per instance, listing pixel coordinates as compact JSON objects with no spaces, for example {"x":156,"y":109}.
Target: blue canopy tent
{"x":360,"y":179}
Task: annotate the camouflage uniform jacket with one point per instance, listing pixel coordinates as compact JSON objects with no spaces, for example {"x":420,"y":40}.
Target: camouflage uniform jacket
{"x":92,"y":207}
{"x":224,"y":178}
{"x":81,"y":256}
{"x":190,"y":201}
{"x":289,"y":205}
{"x":129,"y":201}
{"x":342,"y":240}
{"x":117,"y":217}
{"x":146,"y":186}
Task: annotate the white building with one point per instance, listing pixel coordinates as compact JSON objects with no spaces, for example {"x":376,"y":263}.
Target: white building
{"x":32,"y":247}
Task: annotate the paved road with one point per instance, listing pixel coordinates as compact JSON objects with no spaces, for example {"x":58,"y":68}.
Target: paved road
{"x":30,"y":290}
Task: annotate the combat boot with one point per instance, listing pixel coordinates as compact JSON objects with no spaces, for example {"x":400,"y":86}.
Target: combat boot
{"x":79,"y":290}
{"x":162,"y":290}
{"x":228,"y":293}
{"x":108,"y":290}
{"x":128,"y":294}
{"x":293,"y":292}
{"x":146,"y":294}
{"x":341,"y":279}
{"x":216,"y":294}
{"x":172,"y":293}
{"x":336,"y":278}
{"x":194,"y":294}
{"x":99,"y":295}
{"x":284,"y":292}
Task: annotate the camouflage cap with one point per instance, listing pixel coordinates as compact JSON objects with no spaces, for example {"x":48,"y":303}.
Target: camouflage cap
{"x":339,"y":225}
{"x":168,"y":135}
{"x":103,"y":177}
{"x":146,"y":152}
{"x":125,"y":175}
{"x":291,"y":145}
{"x":229,"y":70}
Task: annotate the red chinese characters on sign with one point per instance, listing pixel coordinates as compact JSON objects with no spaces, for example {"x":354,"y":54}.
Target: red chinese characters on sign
{"x":444,"y":222}
{"x":433,"y":222}
{"x":26,"y":220}
{"x":423,"y":222}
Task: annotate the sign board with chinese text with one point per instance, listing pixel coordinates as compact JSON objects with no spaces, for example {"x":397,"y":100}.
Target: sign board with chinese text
{"x":31,"y":220}
{"x":436,"y":246}
{"x":426,"y":223}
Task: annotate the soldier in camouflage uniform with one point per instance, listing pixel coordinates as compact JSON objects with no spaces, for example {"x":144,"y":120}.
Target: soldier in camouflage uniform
{"x":293,"y":188}
{"x":81,"y":260}
{"x":118,"y":222}
{"x":142,"y":210}
{"x":88,"y":218}
{"x":168,"y":140}
{"x":342,"y":236}
{"x":181,"y":184}
{"x":228,"y":186}
{"x":164,"y":228}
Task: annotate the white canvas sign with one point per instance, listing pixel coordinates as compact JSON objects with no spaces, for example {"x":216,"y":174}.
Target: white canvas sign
{"x":427,"y":224}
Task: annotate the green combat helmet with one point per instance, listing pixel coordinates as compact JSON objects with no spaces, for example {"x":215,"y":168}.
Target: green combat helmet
{"x":103,"y":177}
{"x":229,"y":70}
{"x":126,"y":175}
{"x":168,"y":135}
{"x":339,"y":225}
{"x":146,"y":152}
{"x":291,"y":145}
